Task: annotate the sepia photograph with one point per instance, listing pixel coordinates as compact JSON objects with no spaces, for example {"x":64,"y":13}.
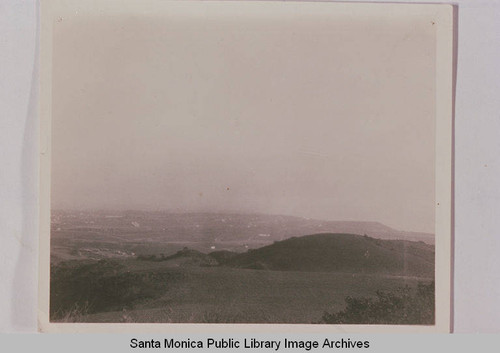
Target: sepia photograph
{"x":263,"y":163}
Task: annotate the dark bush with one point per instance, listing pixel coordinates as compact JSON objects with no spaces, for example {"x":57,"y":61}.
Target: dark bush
{"x":98,"y":286}
{"x":406,"y":306}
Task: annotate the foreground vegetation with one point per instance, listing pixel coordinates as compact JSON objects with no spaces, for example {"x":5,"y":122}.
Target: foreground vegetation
{"x":81,"y":288}
{"x":405,"y":306}
{"x":131,"y":290}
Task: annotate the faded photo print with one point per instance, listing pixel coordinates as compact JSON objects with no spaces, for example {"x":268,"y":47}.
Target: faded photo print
{"x":251,"y":164}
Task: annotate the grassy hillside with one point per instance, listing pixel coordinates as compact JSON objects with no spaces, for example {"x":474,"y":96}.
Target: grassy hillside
{"x":341,"y":253}
{"x":296,"y":280}
{"x":229,"y":295}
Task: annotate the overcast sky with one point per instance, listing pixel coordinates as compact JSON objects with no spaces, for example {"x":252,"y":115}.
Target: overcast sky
{"x":324,"y":118}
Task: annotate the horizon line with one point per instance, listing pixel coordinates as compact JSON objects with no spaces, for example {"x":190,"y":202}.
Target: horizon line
{"x":174,"y":212}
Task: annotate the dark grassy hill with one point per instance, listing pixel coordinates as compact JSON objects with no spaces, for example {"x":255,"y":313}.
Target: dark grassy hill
{"x":223,"y":256}
{"x":183,"y":258}
{"x":340,"y":253}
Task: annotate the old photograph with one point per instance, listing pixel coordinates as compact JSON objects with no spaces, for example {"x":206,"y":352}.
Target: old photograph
{"x":246,"y":163}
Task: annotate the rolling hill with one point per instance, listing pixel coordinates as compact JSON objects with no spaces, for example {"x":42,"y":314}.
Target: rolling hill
{"x":339,"y":253}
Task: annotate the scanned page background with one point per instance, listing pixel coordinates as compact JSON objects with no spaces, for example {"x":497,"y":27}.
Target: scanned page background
{"x":476,"y":166}
{"x":324,"y":111}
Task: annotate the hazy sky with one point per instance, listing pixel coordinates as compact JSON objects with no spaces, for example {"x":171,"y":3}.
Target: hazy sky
{"x":330,"y":118}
